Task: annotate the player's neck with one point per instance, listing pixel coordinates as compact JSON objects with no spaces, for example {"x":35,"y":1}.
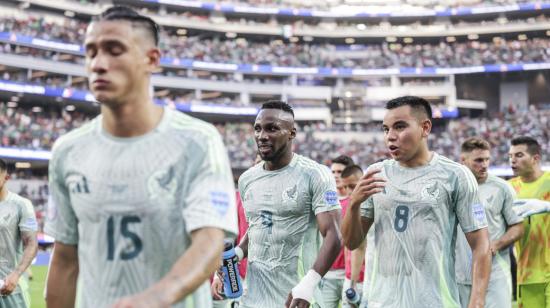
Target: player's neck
{"x":3,"y":193}
{"x":533,"y":176}
{"x":422,"y":158}
{"x":131,"y":119}
{"x":280,"y":162}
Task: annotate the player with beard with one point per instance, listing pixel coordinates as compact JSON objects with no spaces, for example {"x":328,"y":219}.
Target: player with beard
{"x":291,"y":204}
{"x":504,"y":228}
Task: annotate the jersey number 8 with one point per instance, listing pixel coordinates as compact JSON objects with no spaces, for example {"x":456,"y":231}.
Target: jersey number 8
{"x":401,"y":218}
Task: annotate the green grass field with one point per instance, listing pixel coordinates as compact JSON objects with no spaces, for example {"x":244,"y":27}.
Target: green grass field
{"x":37,"y":286}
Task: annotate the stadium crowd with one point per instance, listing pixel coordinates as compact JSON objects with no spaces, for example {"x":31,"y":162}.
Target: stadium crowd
{"x":23,"y":129}
{"x":279,"y":53}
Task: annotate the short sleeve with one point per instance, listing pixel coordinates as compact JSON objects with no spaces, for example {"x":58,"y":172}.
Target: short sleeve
{"x":469,"y":209}
{"x":324,"y":196}
{"x":210,"y":196}
{"x":61,"y":220}
{"x":509,"y":214}
{"x":27,"y":221}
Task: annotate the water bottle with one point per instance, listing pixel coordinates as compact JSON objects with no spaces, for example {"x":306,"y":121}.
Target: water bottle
{"x":352,"y":297}
{"x":232,"y":286}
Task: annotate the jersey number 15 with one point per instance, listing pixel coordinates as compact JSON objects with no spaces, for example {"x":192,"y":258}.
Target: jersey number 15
{"x":137,"y":244}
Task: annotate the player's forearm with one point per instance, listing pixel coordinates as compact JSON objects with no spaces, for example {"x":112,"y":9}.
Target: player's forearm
{"x":195,"y":267}
{"x":30,"y":247}
{"x":352,"y":229}
{"x":481,"y":266}
{"x":357,"y":259}
{"x":63,"y":272}
{"x":329,"y":251}
{"x":514,"y":233}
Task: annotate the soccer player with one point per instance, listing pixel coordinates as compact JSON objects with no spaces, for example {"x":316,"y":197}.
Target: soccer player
{"x":142,"y":196}
{"x":504,"y":228}
{"x":415,"y":202}
{"x":330,"y":289}
{"x":533,"y":252}
{"x":289,"y":200}
{"x":355,"y":266}
{"x":18,"y":243}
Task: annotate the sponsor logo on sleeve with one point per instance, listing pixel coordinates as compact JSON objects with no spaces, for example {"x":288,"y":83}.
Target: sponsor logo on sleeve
{"x":331,"y":197}
{"x":219,"y":201}
{"x":479,"y":212}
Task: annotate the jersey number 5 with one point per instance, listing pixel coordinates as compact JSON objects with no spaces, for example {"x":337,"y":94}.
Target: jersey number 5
{"x":125,"y":232}
{"x":401,"y":218}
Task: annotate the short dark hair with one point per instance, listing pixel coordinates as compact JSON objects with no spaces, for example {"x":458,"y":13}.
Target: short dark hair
{"x":121,"y":12}
{"x":344,"y":160}
{"x":275,"y":104}
{"x":418,"y":104}
{"x":474,"y":144}
{"x":533,"y":147}
{"x":351,"y":170}
{"x":3,"y":165}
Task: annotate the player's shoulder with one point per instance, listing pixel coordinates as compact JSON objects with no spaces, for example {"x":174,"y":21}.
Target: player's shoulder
{"x":452,"y":166}
{"x":455,"y":170}
{"x":498,"y":182}
{"x":182,"y":123}
{"x":310,"y":167}
{"x":251,"y":173}
{"x":19,"y":200}
{"x":76,"y":136}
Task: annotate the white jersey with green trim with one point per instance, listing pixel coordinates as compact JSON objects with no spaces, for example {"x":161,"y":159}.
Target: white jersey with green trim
{"x":415,"y":219}
{"x":130,"y":204}
{"x":283,"y":235}
{"x":16,"y":216}
{"x":497,"y":197}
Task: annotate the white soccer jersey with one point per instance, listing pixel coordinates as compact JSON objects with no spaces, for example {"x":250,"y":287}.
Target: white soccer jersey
{"x":283,"y":235}
{"x":130,"y":204}
{"x":415,"y":220}
{"x":16,"y":216}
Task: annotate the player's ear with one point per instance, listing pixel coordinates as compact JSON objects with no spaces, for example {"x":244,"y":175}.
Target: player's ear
{"x":426,"y":127}
{"x":293,"y":132}
{"x":152,"y":59}
{"x":462,"y":158}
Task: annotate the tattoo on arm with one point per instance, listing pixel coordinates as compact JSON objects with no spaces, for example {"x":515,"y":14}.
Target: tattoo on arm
{"x":30,"y":247}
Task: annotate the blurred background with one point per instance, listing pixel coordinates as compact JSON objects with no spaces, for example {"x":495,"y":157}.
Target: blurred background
{"x":484,"y":65}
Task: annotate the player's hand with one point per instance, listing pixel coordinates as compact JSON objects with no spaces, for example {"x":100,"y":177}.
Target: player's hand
{"x":10,"y":283}
{"x":528,"y":207}
{"x":295,"y":302}
{"x":368,"y":185}
{"x":145,"y":299}
{"x":493,"y":248}
{"x":217,"y":288}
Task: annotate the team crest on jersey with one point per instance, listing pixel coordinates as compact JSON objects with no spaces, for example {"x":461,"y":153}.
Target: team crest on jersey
{"x":163,"y":184}
{"x":290,"y":194}
{"x":430,"y":191}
